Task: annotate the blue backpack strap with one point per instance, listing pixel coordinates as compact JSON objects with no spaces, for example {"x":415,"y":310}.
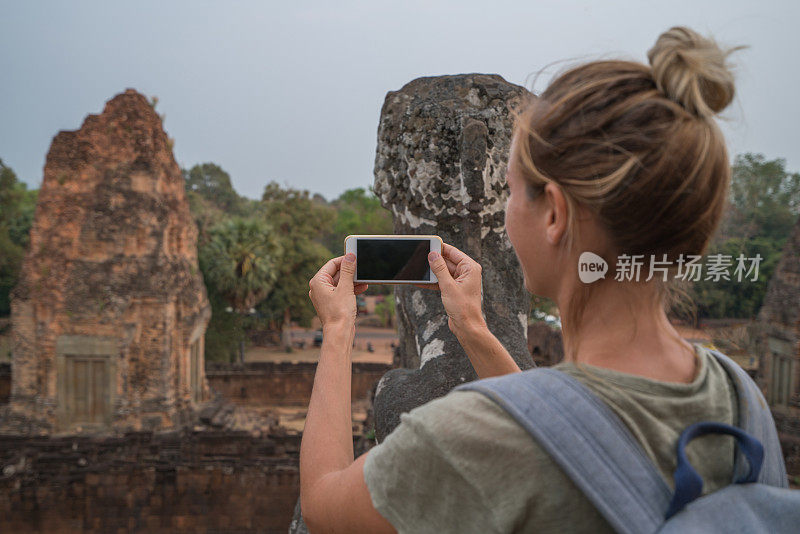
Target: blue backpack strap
{"x":588,"y":441}
{"x":689,"y":483}
{"x":756,"y":419}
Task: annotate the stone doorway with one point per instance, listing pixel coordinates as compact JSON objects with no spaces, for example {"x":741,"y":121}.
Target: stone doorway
{"x":86,"y":392}
{"x":87,"y":373}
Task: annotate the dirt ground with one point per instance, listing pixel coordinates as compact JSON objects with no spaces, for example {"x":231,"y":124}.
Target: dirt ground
{"x":381,"y":340}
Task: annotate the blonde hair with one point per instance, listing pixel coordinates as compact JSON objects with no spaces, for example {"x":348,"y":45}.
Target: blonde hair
{"x":639,"y":147}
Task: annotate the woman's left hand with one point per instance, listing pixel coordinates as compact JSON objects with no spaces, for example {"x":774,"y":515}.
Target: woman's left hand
{"x":333,"y":293}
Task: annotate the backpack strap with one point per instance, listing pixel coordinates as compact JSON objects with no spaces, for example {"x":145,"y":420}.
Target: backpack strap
{"x":588,"y":441}
{"x":756,"y":419}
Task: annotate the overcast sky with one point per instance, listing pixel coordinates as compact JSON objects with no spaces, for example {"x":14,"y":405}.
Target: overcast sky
{"x":292,"y":91}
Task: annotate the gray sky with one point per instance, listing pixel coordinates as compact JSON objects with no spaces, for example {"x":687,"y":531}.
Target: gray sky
{"x":292,"y":91}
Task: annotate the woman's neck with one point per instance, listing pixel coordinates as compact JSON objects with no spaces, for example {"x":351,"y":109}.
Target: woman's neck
{"x":628,"y":331}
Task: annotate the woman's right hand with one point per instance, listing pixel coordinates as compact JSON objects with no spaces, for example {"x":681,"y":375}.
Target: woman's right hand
{"x":460,"y":284}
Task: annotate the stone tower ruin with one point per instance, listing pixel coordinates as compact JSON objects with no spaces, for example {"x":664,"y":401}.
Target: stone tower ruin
{"x":110,"y":311}
{"x":776,"y":333}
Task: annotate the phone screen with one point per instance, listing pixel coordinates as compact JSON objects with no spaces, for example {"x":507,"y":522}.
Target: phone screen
{"x":393,"y":259}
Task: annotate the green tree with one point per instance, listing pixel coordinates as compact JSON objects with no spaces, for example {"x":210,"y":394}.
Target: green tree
{"x":734,"y":298}
{"x":206,"y":216}
{"x":17,"y":206}
{"x":212,"y":198}
{"x":299,"y":223}
{"x":239,"y":267}
{"x":765,"y":198}
{"x":358,"y":211}
{"x":226,"y":330}
{"x":764,"y":206}
{"x":240,"y":259}
{"x":385,"y":310}
{"x":212,"y":183}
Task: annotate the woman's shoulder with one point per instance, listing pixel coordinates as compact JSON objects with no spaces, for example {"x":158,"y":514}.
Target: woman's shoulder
{"x":464,"y":425}
{"x":711,"y":379}
{"x":471,"y":449}
{"x":460,"y":413}
{"x":468,"y":408}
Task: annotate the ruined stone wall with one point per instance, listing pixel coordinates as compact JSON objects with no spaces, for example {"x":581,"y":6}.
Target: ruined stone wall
{"x":545,"y":344}
{"x":145,"y":482}
{"x":110,"y":286}
{"x":283,"y":382}
{"x":261,"y":382}
{"x":440,"y":167}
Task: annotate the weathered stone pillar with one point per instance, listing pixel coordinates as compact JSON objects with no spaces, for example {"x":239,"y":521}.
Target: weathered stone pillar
{"x":110,"y":311}
{"x":440,"y":167}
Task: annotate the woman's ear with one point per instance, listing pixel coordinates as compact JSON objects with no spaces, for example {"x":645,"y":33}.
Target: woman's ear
{"x":555,"y":213}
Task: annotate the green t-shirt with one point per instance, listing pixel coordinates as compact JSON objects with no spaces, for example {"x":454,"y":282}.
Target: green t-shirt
{"x":461,"y":464}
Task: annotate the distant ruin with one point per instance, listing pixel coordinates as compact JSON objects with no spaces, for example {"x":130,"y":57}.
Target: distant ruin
{"x":777,"y":332}
{"x":776,"y":342}
{"x":110,"y":311}
{"x":545,"y":344}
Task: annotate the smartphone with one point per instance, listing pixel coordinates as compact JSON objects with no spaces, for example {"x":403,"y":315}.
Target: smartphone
{"x":393,"y":259}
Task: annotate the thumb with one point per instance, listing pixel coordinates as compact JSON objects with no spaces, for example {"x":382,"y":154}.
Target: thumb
{"x":347,"y":272}
{"x":439,"y":268}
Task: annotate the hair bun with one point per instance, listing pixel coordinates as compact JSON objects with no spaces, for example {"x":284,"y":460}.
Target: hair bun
{"x":692,"y":70}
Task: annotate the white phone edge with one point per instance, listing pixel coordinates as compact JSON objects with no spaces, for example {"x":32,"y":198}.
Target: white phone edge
{"x":435,"y":246}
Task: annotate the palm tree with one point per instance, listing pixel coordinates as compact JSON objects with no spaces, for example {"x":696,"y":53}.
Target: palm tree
{"x":241,"y":260}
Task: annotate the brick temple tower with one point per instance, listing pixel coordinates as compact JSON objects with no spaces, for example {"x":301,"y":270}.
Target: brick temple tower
{"x":110,"y":311}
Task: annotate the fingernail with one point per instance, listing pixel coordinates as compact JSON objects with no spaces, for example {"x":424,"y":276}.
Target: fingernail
{"x":350,"y":257}
{"x":433,"y":256}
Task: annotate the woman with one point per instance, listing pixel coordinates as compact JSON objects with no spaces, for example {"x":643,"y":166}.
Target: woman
{"x":616,"y":158}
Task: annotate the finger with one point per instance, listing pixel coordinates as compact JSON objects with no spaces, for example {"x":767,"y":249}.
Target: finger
{"x":329,"y":270}
{"x":360,"y":288}
{"x":451,"y":253}
{"x":450,"y":266}
{"x":347,"y":270}
{"x":439,"y":268}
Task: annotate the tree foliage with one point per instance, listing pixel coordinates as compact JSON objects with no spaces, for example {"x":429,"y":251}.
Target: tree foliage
{"x":240,"y":260}
{"x":765,"y":198}
{"x":213,"y":184}
{"x":299,"y":223}
{"x":386,"y":312}
{"x":358,"y":211}
{"x":764,"y":207}
{"x":17,"y":206}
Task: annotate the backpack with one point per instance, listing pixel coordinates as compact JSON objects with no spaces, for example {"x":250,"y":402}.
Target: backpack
{"x":597,"y":451}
